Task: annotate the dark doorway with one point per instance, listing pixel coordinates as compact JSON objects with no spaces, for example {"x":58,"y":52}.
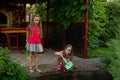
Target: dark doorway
{"x":3,"y":19}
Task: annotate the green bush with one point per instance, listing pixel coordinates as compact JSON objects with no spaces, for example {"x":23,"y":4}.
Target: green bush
{"x":114,"y":57}
{"x":109,"y":53}
{"x":110,"y":57}
{"x":10,"y":70}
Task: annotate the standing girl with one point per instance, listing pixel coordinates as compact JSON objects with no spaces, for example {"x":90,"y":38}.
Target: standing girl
{"x":34,"y":36}
{"x":67,"y":54}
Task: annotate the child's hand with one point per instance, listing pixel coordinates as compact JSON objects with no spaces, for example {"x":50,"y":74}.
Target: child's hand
{"x":67,"y":60}
{"x":60,"y":54}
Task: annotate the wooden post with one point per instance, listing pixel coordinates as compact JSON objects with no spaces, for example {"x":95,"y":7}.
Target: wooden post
{"x":47,"y":24}
{"x":86,"y":32}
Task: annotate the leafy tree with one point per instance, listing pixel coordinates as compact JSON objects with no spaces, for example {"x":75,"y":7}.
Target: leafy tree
{"x":66,"y":11}
{"x":42,"y":10}
{"x":113,"y":13}
{"x":97,"y":21}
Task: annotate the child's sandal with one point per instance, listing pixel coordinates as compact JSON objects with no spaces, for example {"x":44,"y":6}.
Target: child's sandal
{"x":38,"y":70}
{"x":31,"y":71}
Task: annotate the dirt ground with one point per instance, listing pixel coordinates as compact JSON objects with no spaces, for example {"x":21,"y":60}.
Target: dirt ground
{"x":47,"y":61}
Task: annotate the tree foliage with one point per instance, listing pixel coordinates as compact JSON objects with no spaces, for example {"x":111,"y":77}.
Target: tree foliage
{"x":110,"y":53}
{"x":66,"y":11}
{"x":97,"y":20}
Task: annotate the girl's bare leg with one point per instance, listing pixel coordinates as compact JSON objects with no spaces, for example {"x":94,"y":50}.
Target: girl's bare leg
{"x":36,"y":60}
{"x":30,"y":60}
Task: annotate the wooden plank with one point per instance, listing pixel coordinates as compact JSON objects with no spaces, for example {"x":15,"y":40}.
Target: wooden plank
{"x":13,"y":30}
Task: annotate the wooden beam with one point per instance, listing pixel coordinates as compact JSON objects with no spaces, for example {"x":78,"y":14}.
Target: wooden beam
{"x":86,"y":33}
{"x":13,"y":30}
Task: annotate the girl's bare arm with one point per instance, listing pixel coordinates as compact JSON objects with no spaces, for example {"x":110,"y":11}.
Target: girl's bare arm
{"x":59,"y":53}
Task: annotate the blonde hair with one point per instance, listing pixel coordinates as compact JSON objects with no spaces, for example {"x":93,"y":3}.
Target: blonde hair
{"x":39,"y":25}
